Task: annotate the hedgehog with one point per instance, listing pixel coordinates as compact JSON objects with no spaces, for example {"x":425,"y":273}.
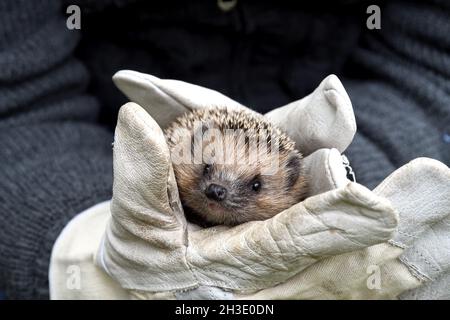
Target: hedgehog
{"x":233,"y":166}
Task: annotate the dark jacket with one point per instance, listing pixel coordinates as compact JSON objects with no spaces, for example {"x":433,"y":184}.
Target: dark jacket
{"x":58,"y":105}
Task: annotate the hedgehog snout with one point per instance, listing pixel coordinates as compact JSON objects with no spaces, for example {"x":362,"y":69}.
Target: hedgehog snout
{"x":216,"y":192}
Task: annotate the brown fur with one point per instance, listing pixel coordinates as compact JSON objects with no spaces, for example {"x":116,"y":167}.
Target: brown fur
{"x":278,"y":191}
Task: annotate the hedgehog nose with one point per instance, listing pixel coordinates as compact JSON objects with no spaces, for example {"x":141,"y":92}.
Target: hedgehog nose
{"x":216,"y":192}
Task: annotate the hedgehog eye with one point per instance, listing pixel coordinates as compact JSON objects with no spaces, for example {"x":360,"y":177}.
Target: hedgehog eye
{"x":207,"y":169}
{"x":256,"y":185}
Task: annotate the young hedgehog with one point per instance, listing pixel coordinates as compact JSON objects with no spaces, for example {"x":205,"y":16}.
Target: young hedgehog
{"x":226,"y":185}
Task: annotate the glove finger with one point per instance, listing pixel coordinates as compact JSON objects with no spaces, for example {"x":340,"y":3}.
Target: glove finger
{"x":144,"y":186}
{"x":166,"y":99}
{"x":144,"y":245}
{"x":260,"y":254}
{"x":324,"y":119}
{"x":325,"y":171}
{"x":420,"y":192}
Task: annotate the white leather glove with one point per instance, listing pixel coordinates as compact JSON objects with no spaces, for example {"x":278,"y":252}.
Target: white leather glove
{"x":418,"y":254}
{"x":331,"y":123}
{"x":143,"y":186}
{"x":149,"y":248}
{"x":324,"y":247}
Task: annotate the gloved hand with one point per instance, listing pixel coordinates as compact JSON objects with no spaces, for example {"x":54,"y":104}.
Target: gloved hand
{"x":418,"y":254}
{"x":149,"y":248}
{"x":142,"y":197}
{"x":320,"y":248}
{"x":327,"y":120}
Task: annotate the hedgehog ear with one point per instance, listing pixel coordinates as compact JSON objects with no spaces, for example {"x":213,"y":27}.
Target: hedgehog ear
{"x":293,"y":167}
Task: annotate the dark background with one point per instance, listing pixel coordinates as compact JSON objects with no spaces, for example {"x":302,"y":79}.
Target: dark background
{"x":58,"y":105}
{"x":260,"y":53}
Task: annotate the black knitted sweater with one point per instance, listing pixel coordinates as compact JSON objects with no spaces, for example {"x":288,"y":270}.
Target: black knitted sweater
{"x":58,"y":105}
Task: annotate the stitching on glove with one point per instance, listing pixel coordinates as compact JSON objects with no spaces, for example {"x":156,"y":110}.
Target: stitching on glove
{"x":414,"y":270}
{"x":397,"y":244}
{"x":185,"y":289}
{"x":407,"y":234}
{"x":427,"y":261}
{"x":328,"y":169}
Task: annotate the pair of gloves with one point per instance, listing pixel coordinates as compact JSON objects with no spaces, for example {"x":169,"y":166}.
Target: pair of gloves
{"x":343,"y":242}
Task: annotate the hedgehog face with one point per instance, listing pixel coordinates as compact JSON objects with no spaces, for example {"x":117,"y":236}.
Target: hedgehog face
{"x":232,"y":194}
{"x":229,"y":173}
